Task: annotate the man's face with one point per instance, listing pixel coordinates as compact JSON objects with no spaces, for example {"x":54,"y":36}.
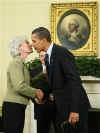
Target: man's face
{"x":37,"y":43}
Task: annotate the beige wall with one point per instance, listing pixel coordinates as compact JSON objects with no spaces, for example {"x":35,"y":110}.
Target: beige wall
{"x":18,"y":17}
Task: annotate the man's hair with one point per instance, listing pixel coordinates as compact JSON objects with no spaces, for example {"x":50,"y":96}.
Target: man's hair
{"x":42,"y":32}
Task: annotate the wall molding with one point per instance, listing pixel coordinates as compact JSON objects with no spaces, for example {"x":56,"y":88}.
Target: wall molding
{"x":90,"y":79}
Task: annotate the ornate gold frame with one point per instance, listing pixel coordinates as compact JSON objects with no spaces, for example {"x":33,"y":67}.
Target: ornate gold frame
{"x":90,"y":10}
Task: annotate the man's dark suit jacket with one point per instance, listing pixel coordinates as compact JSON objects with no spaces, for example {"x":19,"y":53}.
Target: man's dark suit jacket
{"x":66,"y":84}
{"x":41,"y":111}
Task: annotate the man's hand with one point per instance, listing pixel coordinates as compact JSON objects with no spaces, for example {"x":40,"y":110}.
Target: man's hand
{"x":42,"y":57}
{"x":51,"y":96}
{"x":40,"y":94}
{"x":73,"y":118}
{"x":38,"y":101}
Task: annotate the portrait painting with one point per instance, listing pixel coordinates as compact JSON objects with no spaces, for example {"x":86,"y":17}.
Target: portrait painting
{"x":73,"y":29}
{"x":74,"y":26}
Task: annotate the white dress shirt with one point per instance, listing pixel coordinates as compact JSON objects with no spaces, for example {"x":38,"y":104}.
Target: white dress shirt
{"x":49,"y":51}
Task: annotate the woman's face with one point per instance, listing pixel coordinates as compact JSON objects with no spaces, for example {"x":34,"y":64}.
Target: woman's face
{"x":26,"y":48}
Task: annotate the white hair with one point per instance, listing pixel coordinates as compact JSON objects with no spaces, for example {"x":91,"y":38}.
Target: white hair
{"x":14,"y":45}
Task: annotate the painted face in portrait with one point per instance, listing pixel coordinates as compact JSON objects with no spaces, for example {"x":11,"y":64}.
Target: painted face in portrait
{"x":73,"y":26}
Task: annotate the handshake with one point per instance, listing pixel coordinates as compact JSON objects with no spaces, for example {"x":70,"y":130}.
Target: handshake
{"x":39,"y":96}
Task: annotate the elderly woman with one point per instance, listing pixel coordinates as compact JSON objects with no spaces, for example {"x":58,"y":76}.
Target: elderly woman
{"x":19,"y":92}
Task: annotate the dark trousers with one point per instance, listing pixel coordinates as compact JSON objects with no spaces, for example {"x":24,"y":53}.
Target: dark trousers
{"x":13,"y":117}
{"x":43,"y":126}
{"x":45,"y":114}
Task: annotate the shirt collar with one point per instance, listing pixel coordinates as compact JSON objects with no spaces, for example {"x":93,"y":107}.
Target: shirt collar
{"x":49,"y":51}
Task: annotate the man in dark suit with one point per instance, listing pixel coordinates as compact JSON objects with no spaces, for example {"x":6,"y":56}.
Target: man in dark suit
{"x":44,"y":111}
{"x":70,"y":97}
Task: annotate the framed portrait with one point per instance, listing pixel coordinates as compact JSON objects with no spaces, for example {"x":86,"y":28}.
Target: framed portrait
{"x":74,"y":26}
